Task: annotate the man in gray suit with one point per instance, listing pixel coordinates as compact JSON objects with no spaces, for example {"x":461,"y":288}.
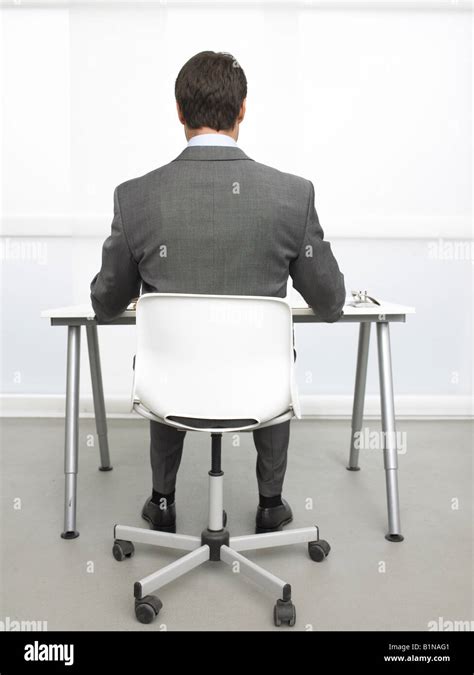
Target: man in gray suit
{"x":214,"y":221}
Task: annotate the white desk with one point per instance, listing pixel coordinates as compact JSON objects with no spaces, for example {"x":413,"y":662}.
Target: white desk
{"x":83,"y":315}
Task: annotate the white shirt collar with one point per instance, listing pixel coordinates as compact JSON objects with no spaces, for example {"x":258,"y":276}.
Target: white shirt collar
{"x":211,"y":139}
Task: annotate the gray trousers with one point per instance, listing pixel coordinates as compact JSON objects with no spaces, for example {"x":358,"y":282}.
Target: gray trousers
{"x":166,"y":449}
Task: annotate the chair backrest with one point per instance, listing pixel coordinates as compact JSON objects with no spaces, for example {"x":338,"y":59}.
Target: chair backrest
{"x":214,"y":357}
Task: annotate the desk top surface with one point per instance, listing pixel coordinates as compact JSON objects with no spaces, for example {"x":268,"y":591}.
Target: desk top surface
{"x":351,"y":313}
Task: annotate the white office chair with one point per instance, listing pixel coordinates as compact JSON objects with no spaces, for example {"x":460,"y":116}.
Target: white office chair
{"x":218,"y":364}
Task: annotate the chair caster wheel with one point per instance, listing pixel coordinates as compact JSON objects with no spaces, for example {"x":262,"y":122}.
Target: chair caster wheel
{"x":147,"y":608}
{"x":122,"y":549}
{"x":284,"y":612}
{"x":318,"y":550}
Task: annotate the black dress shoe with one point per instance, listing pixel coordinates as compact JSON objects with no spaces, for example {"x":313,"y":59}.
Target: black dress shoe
{"x":274,"y":518}
{"x":162,"y":519}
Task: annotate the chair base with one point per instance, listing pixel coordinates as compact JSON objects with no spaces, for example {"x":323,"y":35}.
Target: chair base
{"x":215,"y":546}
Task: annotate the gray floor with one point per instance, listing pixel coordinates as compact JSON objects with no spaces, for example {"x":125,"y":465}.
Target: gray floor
{"x":77,"y":585}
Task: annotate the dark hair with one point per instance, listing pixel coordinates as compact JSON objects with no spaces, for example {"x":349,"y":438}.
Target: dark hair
{"x":210,"y":89}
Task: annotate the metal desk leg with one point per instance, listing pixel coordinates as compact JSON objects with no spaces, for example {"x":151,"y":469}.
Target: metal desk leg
{"x":98,"y":394}
{"x":388,"y":428}
{"x":72,"y":428}
{"x":359,"y":394}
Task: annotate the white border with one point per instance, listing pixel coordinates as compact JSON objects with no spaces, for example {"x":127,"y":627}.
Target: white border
{"x":449,"y":5}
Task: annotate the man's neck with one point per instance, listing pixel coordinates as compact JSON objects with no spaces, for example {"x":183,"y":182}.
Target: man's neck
{"x":232,"y":133}
{"x":223,"y":140}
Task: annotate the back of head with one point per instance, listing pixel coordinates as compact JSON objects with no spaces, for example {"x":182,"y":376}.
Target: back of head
{"x":210,"y":89}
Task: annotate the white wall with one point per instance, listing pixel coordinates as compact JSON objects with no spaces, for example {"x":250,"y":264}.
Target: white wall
{"x":373,"y":105}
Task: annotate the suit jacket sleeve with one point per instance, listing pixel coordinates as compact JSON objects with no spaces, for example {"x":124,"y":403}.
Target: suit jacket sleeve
{"x":118,"y":281}
{"x":315,"y":271}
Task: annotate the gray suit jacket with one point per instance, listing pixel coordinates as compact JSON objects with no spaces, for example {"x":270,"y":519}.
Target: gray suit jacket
{"x":214,"y":221}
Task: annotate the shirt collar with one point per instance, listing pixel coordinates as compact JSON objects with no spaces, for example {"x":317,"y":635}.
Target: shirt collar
{"x":211,"y":139}
{"x":212,"y":153}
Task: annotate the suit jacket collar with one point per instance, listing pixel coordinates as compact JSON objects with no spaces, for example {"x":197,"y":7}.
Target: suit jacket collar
{"x":211,"y":153}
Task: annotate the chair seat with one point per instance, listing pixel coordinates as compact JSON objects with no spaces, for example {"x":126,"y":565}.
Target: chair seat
{"x":199,"y":424}
{"x":203,"y":423}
